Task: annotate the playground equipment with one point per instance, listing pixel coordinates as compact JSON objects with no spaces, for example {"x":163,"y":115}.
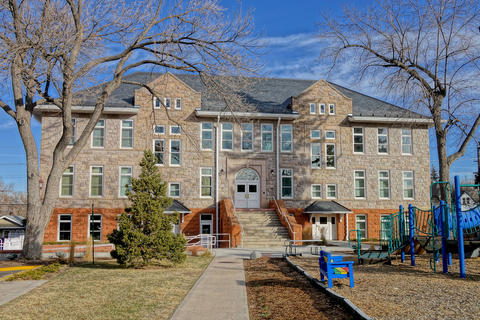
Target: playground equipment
{"x":440,"y":229}
{"x":333,"y":267}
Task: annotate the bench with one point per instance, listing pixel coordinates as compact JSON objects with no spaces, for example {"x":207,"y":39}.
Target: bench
{"x":333,"y":267}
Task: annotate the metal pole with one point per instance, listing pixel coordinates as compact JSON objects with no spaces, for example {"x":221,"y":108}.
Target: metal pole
{"x":402,"y":232}
{"x":217,"y":141}
{"x":411,"y":224}
{"x":91,"y":235}
{"x":458,"y":207}
{"x":441,"y":219}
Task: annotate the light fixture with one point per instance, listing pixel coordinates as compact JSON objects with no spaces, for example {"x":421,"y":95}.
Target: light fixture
{"x":272,"y":172}
{"x":221,"y":172}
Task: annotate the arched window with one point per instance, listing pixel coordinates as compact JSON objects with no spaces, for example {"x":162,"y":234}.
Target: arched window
{"x":246,"y":174}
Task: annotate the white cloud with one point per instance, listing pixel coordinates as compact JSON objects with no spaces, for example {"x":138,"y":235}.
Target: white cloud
{"x":8,"y":124}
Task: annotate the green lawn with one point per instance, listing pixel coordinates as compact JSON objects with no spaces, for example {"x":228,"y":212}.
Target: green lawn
{"x":106,"y":291}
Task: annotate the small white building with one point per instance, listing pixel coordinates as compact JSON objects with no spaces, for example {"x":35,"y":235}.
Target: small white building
{"x":12,"y":233}
{"x":467,"y":201}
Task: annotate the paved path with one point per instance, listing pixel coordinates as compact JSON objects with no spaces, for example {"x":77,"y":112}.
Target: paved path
{"x":12,"y":289}
{"x":220,"y":293}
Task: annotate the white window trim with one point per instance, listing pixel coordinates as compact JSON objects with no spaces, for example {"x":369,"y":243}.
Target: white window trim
{"x":379,"y":188}
{"x":121,"y":132}
{"x":311,"y":134}
{"x":314,"y":108}
{"x":311,"y":191}
{"x":58,"y":226}
{"x":170,"y":153}
{"x":364,"y":185}
{"x":73,"y":183}
{"x":334,"y":135}
{"x":159,"y":125}
{"x":363,"y":139}
{"x":281,"y":184}
{"x":165,"y":101}
{"x":221,"y":136}
{"x":155,"y":104}
{"x":101,"y":226}
{"x":334,"y":109}
{"x":201,"y":136}
{"x":103,"y":182}
{"x":104,"y":134}
{"x":311,"y":155}
{"x":211,"y":182}
{"x":334,"y":156}
{"x":366,"y":224}
{"x":253,"y":136}
{"x":74,"y":121}
{"x":281,"y":138}
{"x":320,"y":105}
{"x":411,"y":141}
{"x":211,"y":224}
{"x":175,"y":126}
{"x":378,"y":142}
{"x":176,"y":104}
{"x":164,"y":151}
{"x":326,"y":191}
{"x":261,"y":136}
{"x":179,"y":190}
{"x":413,"y":185}
{"x":120,"y":180}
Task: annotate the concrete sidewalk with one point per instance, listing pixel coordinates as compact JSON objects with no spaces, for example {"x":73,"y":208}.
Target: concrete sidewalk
{"x":220,"y":293}
{"x":12,"y":289}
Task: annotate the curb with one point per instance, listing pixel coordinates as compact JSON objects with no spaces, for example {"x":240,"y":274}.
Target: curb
{"x":357,"y":312}
{"x":20,"y":269}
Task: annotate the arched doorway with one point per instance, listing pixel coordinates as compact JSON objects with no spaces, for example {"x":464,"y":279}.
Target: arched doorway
{"x":247,"y":189}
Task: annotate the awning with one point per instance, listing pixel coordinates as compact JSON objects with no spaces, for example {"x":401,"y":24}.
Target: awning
{"x":177,"y":206}
{"x":326,"y":207}
{"x":12,"y":222}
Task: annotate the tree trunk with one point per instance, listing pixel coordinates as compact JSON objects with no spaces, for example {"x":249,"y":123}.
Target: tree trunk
{"x":441,"y":135}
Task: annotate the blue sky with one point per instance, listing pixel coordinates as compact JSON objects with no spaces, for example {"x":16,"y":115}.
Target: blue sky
{"x":288,"y":29}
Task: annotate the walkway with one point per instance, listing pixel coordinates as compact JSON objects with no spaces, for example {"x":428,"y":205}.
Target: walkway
{"x":12,"y":289}
{"x":220,"y":293}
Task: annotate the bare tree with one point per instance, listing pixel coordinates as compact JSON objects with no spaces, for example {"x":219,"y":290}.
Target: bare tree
{"x":8,"y":194}
{"x":425,"y":52}
{"x":50,"y":48}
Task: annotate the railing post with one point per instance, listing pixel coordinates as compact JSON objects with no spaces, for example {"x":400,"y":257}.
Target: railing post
{"x":401,"y":233}
{"x":442,"y":224}
{"x":458,"y":208}
{"x":411,"y":224}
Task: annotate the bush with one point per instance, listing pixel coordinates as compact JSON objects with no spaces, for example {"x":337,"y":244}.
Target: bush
{"x":145,"y":233}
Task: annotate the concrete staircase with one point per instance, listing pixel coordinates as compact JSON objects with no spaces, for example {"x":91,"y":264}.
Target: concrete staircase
{"x":261,"y":228}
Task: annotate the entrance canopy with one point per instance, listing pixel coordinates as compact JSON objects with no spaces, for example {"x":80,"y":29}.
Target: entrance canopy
{"x":326,"y":207}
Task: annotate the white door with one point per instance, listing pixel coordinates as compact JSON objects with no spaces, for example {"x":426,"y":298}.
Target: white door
{"x":206,"y":229}
{"x":247,"y":189}
{"x":325,"y":227}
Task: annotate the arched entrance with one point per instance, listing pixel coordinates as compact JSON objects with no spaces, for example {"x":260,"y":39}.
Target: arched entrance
{"x":247,"y":189}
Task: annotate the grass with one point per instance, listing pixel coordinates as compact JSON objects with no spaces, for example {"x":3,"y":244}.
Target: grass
{"x":108,"y":291}
{"x":36,"y":274}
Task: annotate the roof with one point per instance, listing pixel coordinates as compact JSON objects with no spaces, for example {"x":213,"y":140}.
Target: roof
{"x":266,"y":95}
{"x":12,"y":222}
{"x":326,"y":207}
{"x":177,"y":206}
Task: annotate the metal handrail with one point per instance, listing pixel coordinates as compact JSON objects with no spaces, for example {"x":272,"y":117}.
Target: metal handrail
{"x":286,"y":219}
{"x":221,"y":235}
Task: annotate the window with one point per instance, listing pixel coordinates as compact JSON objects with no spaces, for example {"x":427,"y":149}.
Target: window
{"x":331,"y":191}
{"x":287,"y":183}
{"x":321,"y":108}
{"x":95,"y":226}
{"x":313,"y":108}
{"x":267,"y":136}
{"x":98,"y":134}
{"x":174,"y":189}
{"x":64,"y":227}
{"x":406,"y":141}
{"x":358,"y":140}
{"x":331,"y":109}
{"x":178,"y":104}
{"x":156,"y":103}
{"x":207,"y":136}
{"x":286,"y":138}
{"x":72,"y":139}
{"x":159,"y":151}
{"x":330,"y":161}
{"x":361,"y":224}
{"x":205,"y":182}
{"x":382,"y":140}
{"x":315,"y":134}
{"x":66,"y":189}
{"x":247,"y":136}
{"x":316,"y":151}
{"x":330,"y":134}
{"x":384,"y":184}
{"x":175,"y":130}
{"x":384,"y":227}
{"x":125,"y":181}
{"x":127,"y":134}
{"x":359,"y":176}
{"x":159,"y":129}
{"x":316,"y":190}
{"x":227,"y":136}
{"x":96,"y":181}
{"x":168,"y":103}
{"x":175,"y":152}
{"x":408,"y":187}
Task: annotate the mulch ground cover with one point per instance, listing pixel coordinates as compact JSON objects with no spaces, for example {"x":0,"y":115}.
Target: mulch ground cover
{"x":399,"y":291}
{"x":276,"y":291}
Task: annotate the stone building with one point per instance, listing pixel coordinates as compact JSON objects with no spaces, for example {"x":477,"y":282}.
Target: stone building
{"x":337,"y":159}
